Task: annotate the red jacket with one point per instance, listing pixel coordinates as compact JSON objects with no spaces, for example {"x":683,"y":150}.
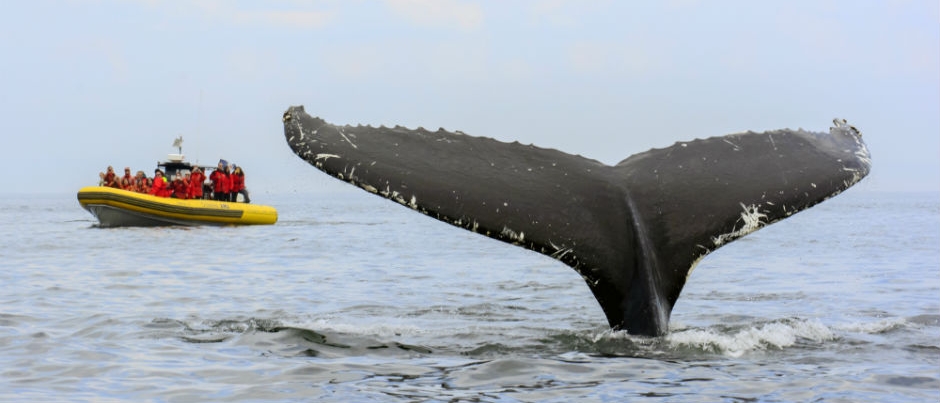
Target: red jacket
{"x":195,"y":184}
{"x":238,"y":182}
{"x":181,"y":189}
{"x":110,"y":180}
{"x":220,"y":181}
{"x":140,"y":185}
{"x":160,"y":188}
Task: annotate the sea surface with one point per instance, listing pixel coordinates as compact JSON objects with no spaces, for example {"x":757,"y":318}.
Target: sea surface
{"x":352,"y":298}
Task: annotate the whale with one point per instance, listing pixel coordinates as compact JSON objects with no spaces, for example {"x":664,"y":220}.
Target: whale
{"x":634,"y":231}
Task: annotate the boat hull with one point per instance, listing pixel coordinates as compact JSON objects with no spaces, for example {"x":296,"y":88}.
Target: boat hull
{"x":121,"y":208}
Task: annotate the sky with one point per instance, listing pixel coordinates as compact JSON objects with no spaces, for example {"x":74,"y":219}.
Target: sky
{"x":87,"y":84}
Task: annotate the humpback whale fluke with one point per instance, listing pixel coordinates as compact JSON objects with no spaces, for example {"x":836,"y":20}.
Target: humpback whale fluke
{"x":634,"y":231}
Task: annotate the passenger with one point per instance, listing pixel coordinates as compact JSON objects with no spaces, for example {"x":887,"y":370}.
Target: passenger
{"x":195,"y":183}
{"x":220,"y":182}
{"x":171,"y":185}
{"x":238,"y":185}
{"x":216,"y":178}
{"x":140,"y":183}
{"x":160,"y":187}
{"x":187,"y":189}
{"x":188,"y":185}
{"x":229,"y":193}
{"x":127,"y":181}
{"x":110,"y":178}
{"x":166,"y":191}
{"x":127,"y":184}
{"x":179,"y":187}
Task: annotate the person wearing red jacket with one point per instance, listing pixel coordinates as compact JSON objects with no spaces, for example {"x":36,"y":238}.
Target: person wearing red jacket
{"x":195,"y":183}
{"x":159,"y":188}
{"x":238,"y":185}
{"x":220,"y":182}
{"x":180,"y":187}
{"x":127,"y":181}
{"x":110,"y":178}
{"x":140,"y":183}
{"x":187,"y":185}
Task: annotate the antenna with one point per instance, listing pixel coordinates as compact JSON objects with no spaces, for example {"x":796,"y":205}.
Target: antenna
{"x":199,"y":124}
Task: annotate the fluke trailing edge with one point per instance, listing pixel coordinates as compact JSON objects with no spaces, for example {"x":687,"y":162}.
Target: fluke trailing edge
{"x":634,"y":231}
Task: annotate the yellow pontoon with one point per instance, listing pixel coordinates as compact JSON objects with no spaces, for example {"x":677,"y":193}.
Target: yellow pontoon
{"x":119,"y":208}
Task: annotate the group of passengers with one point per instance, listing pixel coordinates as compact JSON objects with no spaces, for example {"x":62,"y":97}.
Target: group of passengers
{"x":225,"y":183}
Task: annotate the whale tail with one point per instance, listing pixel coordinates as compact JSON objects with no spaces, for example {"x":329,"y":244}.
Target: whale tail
{"x":634,"y":231}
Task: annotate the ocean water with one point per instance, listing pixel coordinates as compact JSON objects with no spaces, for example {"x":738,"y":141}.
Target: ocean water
{"x":352,"y":298}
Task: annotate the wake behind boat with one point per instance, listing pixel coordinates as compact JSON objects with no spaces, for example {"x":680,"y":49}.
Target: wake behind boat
{"x":124,"y":202}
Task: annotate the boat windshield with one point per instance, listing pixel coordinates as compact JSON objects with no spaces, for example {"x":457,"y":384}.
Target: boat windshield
{"x":172,"y":169}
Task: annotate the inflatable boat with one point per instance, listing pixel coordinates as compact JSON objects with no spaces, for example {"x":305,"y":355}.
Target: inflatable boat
{"x":114,"y":207}
{"x":121,"y":208}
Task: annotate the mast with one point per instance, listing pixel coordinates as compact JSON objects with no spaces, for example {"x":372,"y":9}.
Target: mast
{"x":178,"y":143}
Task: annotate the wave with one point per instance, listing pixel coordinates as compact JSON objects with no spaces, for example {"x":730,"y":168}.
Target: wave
{"x":326,"y":338}
{"x":734,"y":343}
{"x":876,"y":327}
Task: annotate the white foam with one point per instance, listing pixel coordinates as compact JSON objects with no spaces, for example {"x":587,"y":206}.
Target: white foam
{"x":880,"y":326}
{"x":380,"y":330}
{"x":770,"y":335}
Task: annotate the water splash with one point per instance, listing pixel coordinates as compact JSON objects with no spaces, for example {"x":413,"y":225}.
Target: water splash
{"x":737,"y":342}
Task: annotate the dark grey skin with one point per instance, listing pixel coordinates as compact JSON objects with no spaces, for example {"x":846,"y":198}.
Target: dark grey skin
{"x":634,"y":231}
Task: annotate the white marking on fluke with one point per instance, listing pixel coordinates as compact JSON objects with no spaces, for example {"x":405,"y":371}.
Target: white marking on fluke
{"x":347,"y":139}
{"x":325,"y":156}
{"x":559,"y":253}
{"x":751,"y":216}
{"x":735,"y":146}
{"x":515,"y":236}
